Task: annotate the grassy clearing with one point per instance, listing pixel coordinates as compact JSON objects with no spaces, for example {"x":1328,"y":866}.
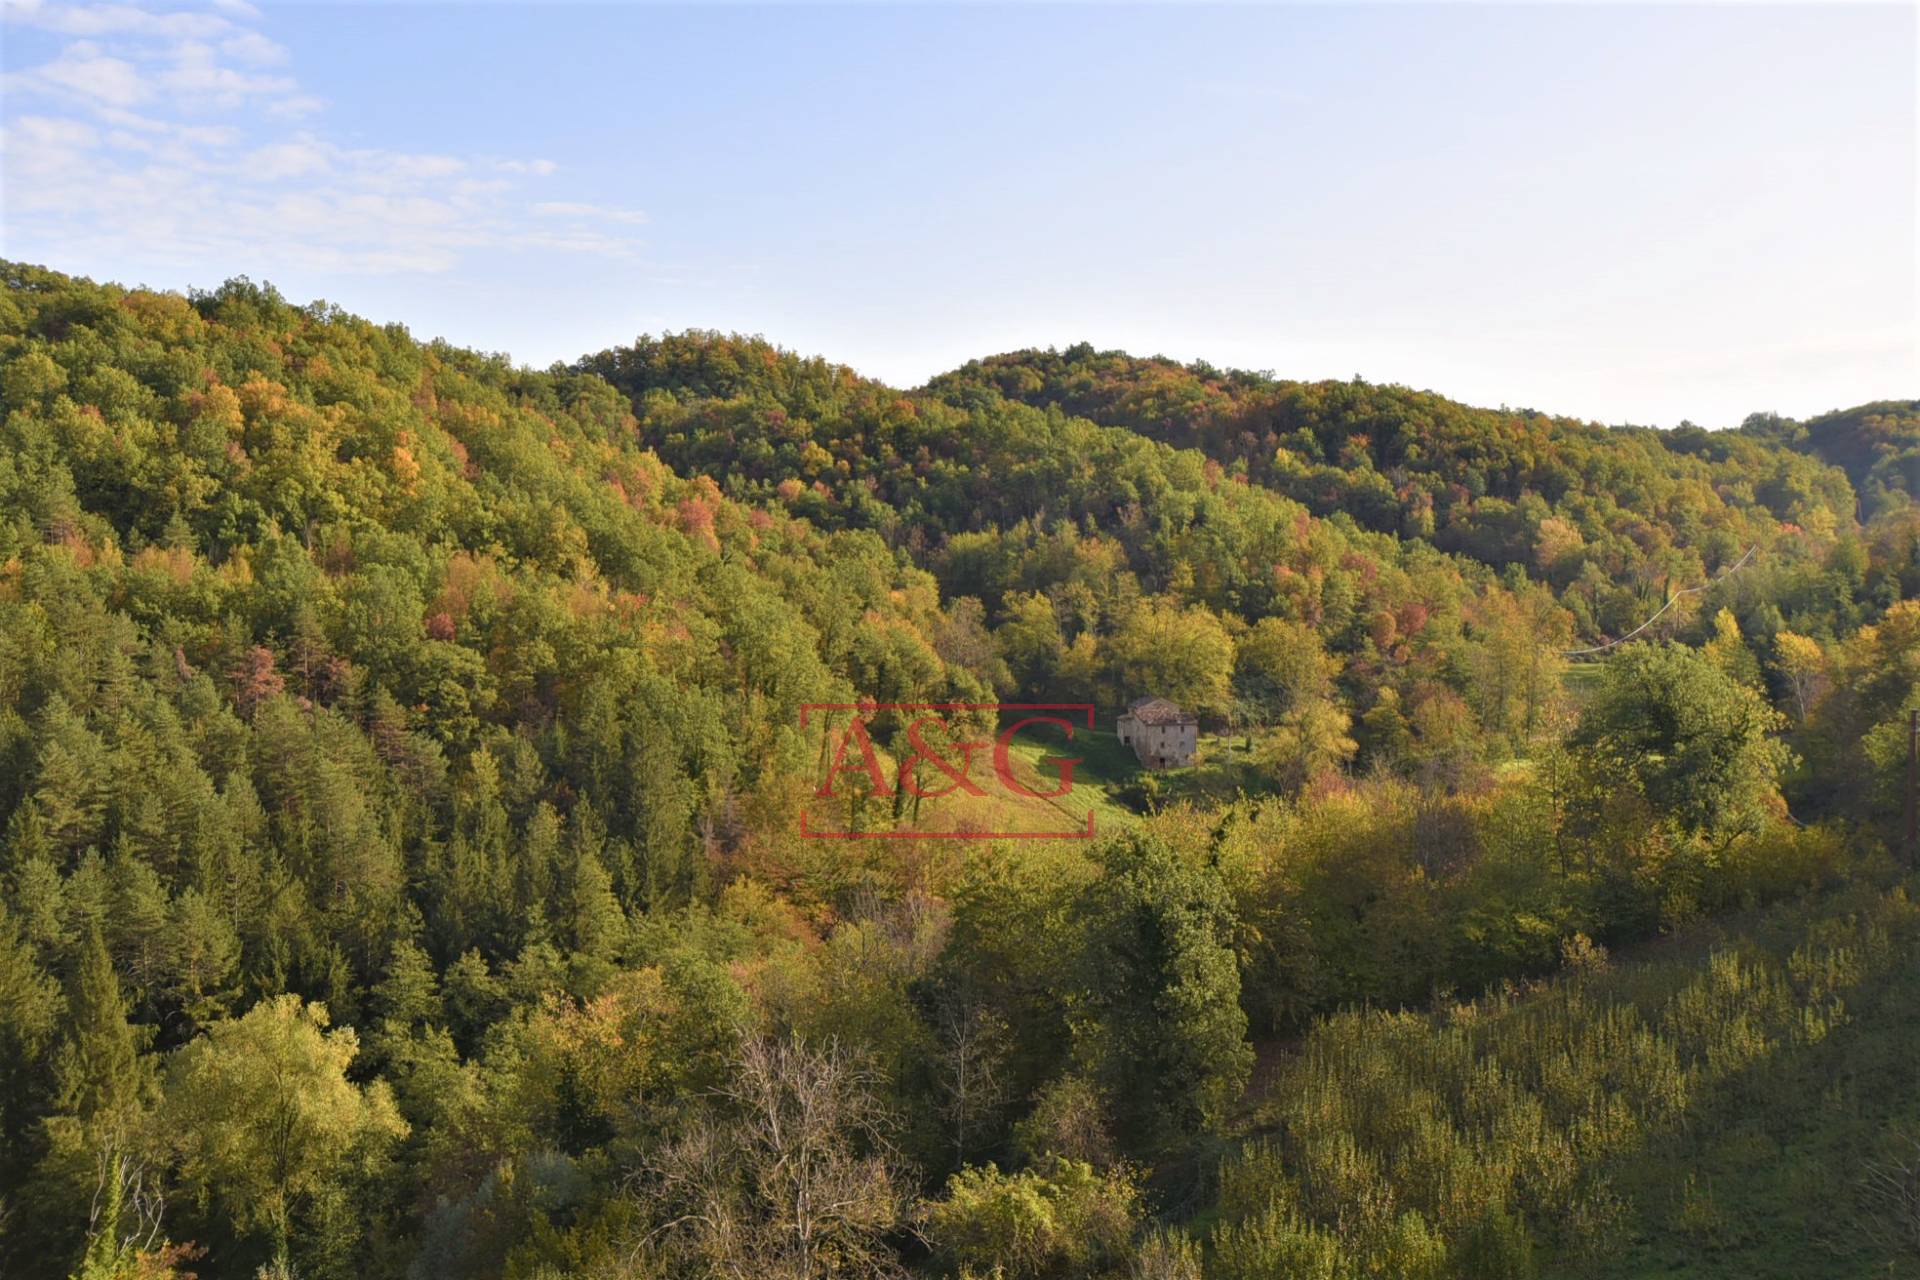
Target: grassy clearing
{"x":1107,"y":782}
{"x":1582,"y":679}
{"x":1104,"y":768}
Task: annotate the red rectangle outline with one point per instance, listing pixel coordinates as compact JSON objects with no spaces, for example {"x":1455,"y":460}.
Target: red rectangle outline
{"x":1086,"y":834}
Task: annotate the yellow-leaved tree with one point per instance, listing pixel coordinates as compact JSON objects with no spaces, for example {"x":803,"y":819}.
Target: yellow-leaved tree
{"x":263,"y":1118}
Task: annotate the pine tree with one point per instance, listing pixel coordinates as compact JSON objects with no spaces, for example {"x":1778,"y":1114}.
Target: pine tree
{"x":594,"y":924}
{"x":99,"y":1078}
{"x":1167,"y":1034}
{"x":102,"y":1090}
{"x":29,"y":1017}
{"x":408,"y":996}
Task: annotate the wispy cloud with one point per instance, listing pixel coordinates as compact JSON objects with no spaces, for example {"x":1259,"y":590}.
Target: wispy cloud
{"x":589,"y":212}
{"x":176,"y":136}
{"x":95,"y":20}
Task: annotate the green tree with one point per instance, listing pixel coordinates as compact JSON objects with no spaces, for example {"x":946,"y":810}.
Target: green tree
{"x":1695,"y":740}
{"x":1065,"y":1218}
{"x":1030,"y":642}
{"x":263,"y":1118}
{"x":1802,"y":664}
{"x":1164,"y":1031}
{"x":1312,"y":739}
{"x":102,"y":1091}
{"x":100,"y":1080}
{"x":1182,"y":654}
{"x":1280,"y":664}
{"x":1729,"y":651}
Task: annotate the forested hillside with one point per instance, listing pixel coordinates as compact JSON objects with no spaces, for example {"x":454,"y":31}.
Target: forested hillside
{"x":401,"y":761}
{"x":1878,"y":445}
{"x":1587,"y":508}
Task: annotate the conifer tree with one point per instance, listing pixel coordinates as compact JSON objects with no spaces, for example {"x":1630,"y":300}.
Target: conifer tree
{"x":1166,"y":1033}
{"x":102,"y":1091}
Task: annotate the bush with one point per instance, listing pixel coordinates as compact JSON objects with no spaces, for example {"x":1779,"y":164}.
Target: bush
{"x":1498,"y":1248}
{"x":1279,"y":1243}
{"x":1064,"y":1219}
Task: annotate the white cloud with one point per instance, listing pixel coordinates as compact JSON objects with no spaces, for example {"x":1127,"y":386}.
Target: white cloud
{"x":167,"y":136}
{"x":43,"y":131}
{"x":395,"y":167}
{"x":97,"y":20}
{"x":197,"y":79}
{"x":289,"y":160}
{"x":294,"y":106}
{"x":84,"y":72}
{"x":574,"y":209}
{"x":251,"y":46}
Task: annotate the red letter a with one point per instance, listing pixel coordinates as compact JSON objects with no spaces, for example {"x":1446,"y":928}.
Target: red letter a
{"x":870,"y":763}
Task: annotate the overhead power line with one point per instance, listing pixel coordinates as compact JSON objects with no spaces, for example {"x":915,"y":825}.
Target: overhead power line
{"x":1725,"y":573}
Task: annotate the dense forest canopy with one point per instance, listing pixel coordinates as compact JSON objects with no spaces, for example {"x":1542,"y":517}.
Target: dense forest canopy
{"x":400,"y":759}
{"x":1877,"y":444}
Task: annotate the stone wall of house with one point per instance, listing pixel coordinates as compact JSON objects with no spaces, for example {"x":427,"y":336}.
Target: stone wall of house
{"x":1169,"y":743}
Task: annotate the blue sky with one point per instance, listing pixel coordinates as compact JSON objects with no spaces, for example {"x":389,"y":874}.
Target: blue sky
{"x":1628,"y":213}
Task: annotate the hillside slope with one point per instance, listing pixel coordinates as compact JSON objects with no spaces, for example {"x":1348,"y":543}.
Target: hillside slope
{"x":402,"y":765}
{"x":1878,"y":445}
{"x":1575,"y":503}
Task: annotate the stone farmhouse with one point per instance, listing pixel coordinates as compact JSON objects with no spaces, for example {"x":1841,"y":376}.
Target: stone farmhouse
{"x":1160,"y":733}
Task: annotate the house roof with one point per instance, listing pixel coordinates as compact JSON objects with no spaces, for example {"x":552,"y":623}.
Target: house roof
{"x":1158,"y":711}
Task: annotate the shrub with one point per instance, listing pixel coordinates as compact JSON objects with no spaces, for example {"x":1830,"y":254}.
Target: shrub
{"x":1064,"y":1219}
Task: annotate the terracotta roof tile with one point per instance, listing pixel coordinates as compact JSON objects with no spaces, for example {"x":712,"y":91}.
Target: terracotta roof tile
{"x":1158,"y":711}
